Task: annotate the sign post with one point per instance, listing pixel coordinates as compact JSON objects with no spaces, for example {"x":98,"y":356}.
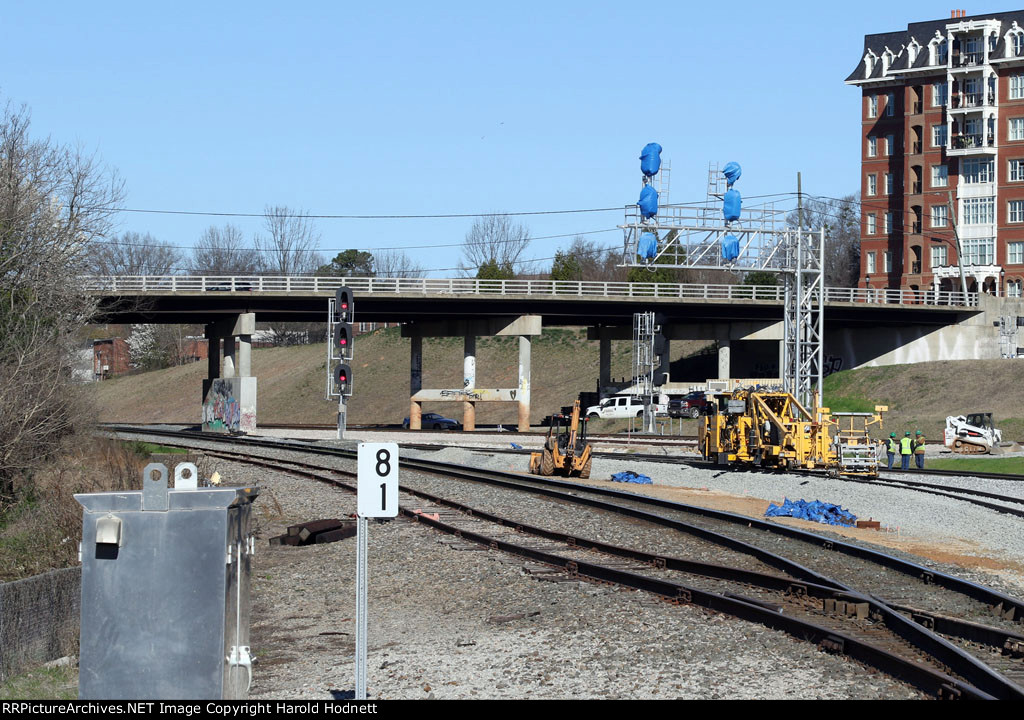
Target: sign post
{"x":376,"y":497}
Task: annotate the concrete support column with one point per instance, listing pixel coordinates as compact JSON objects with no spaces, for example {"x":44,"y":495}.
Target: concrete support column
{"x":245,"y":355}
{"x":523,"y":392}
{"x":469,"y":381}
{"x":724,"y":351}
{"x":415,"y":381}
{"x":605,"y":373}
{"x":212,"y":356}
{"x":229,"y":357}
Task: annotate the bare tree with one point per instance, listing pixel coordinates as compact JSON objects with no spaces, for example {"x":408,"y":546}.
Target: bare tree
{"x":134,"y":254}
{"x":494,"y":240}
{"x":223,"y":251}
{"x":396,"y":264}
{"x":290,"y":245}
{"x":841,"y":219}
{"x":54,"y":201}
{"x":587,"y":260}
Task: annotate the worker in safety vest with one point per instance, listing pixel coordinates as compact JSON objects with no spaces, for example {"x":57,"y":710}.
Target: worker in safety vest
{"x":906,"y":449}
{"x":919,"y":450}
{"x":892,"y":449}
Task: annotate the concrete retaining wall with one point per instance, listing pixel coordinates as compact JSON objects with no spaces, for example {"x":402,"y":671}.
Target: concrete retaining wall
{"x":39,"y":619}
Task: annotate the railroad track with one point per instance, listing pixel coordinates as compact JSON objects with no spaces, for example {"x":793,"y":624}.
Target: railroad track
{"x":855,"y":622}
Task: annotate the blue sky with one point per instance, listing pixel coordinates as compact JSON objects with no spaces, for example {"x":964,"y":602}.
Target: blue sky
{"x":421,"y":108}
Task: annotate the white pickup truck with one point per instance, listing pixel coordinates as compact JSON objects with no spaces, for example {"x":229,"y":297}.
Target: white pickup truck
{"x":624,"y":406}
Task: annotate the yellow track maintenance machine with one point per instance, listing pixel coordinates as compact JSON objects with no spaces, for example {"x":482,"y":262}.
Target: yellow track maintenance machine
{"x":855,"y":452}
{"x":566,"y":450}
{"x":774,"y":430}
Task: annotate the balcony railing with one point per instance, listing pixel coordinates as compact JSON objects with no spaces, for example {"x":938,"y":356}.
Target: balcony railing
{"x":971,"y":59}
{"x":967,"y":142}
{"x":971,"y":100}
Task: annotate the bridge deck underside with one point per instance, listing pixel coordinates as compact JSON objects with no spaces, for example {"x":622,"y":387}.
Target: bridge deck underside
{"x":581,"y":311}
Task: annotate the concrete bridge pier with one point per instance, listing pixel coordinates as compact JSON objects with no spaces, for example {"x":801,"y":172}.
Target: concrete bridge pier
{"x":524,"y":327}
{"x":229,"y":391}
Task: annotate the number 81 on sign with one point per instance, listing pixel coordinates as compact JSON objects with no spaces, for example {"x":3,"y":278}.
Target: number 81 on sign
{"x":377,"y":487}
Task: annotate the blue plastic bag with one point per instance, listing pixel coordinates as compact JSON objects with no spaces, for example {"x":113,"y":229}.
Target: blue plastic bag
{"x":648,"y":202}
{"x":647,"y":248}
{"x":732,"y":172}
{"x":815,"y":511}
{"x":650,"y":159}
{"x":731,"y":205}
{"x":730,"y":248}
{"x":629,"y":476}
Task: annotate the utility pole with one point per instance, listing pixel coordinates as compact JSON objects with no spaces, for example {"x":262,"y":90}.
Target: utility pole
{"x":959,"y":251}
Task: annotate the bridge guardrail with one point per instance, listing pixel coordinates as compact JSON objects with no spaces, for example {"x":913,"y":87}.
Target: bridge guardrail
{"x":474,"y":286}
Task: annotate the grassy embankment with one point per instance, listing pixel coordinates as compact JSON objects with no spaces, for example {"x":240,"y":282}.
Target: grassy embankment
{"x":921,"y":396}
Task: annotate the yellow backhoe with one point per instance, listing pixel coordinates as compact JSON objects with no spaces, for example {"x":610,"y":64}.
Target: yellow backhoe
{"x":566,"y":450}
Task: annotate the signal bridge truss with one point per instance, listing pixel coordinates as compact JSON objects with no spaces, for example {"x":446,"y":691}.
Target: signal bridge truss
{"x":690,"y":237}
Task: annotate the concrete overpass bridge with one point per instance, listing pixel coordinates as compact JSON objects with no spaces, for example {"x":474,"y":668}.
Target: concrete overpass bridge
{"x":863,"y":327}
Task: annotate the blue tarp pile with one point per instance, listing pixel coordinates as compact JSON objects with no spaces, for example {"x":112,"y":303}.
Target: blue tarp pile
{"x":631,"y":477}
{"x":647,"y":248}
{"x":650,"y":159}
{"x":815,"y":511}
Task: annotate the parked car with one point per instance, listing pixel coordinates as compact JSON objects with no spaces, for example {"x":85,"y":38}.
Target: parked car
{"x":692,"y":405}
{"x":623,"y":406}
{"x":433,"y":421}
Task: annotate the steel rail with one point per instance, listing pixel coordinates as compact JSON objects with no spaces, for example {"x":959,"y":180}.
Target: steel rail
{"x":983,"y":683}
{"x":968,"y":588}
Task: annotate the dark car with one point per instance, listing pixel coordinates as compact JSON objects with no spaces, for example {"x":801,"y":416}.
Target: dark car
{"x":692,"y":405}
{"x":433,"y":421}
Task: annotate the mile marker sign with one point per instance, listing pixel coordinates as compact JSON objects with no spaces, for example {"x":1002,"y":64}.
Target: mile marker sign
{"x":377,"y":487}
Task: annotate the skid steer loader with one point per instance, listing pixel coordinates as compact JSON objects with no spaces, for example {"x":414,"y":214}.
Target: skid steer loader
{"x":566,"y":450}
{"x":972,"y":434}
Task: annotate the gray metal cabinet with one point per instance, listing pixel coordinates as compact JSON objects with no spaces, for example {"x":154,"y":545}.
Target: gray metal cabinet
{"x":165,"y":591}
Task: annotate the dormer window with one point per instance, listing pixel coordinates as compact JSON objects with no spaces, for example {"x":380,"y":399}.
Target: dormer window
{"x":1015,"y":41}
{"x":937,"y":50}
{"x":869,"y":63}
{"x":887,"y":58}
{"x":913,"y":50}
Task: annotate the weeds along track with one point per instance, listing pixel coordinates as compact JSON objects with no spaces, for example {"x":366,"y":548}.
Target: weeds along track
{"x":948,"y":636}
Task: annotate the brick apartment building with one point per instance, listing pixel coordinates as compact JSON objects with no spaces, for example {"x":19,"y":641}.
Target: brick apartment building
{"x":942,"y":114}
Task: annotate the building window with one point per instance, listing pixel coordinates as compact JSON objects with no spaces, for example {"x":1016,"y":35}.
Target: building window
{"x":890,"y":143}
{"x":888,"y":184}
{"x":939,"y":94}
{"x":888,"y":261}
{"x":940,"y":176}
{"x":872,"y":106}
{"x":872,"y":146}
{"x":940,"y":255}
{"x":939,"y":135}
{"x":940,"y":216}
{"x":1017,"y":128}
{"x":1015,"y":253}
{"x":1017,"y":87}
{"x":979,"y":211}
{"x":888,"y":223}
{"x":872,"y":184}
{"x":872,"y":225}
{"x":890,"y":104}
{"x":871,"y":263}
{"x":979,"y":251}
{"x":977,"y":170}
{"x":1016,"y":170}
{"x":1014,"y":287}
{"x":1016,"y":211}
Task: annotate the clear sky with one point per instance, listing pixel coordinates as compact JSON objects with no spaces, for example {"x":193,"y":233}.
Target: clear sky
{"x":409,"y":108}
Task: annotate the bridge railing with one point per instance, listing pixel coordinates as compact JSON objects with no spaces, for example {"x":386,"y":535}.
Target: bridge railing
{"x":474,"y":286}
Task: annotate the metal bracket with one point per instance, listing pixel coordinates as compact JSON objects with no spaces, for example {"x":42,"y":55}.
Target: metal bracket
{"x":240,"y":657}
{"x":186,"y":476}
{"x":154,"y":491}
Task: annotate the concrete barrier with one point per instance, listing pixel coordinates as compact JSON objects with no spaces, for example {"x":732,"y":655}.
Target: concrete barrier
{"x":39,"y":620}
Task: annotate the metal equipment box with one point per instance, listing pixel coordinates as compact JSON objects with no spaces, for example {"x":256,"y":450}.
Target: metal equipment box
{"x":165,"y":590}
